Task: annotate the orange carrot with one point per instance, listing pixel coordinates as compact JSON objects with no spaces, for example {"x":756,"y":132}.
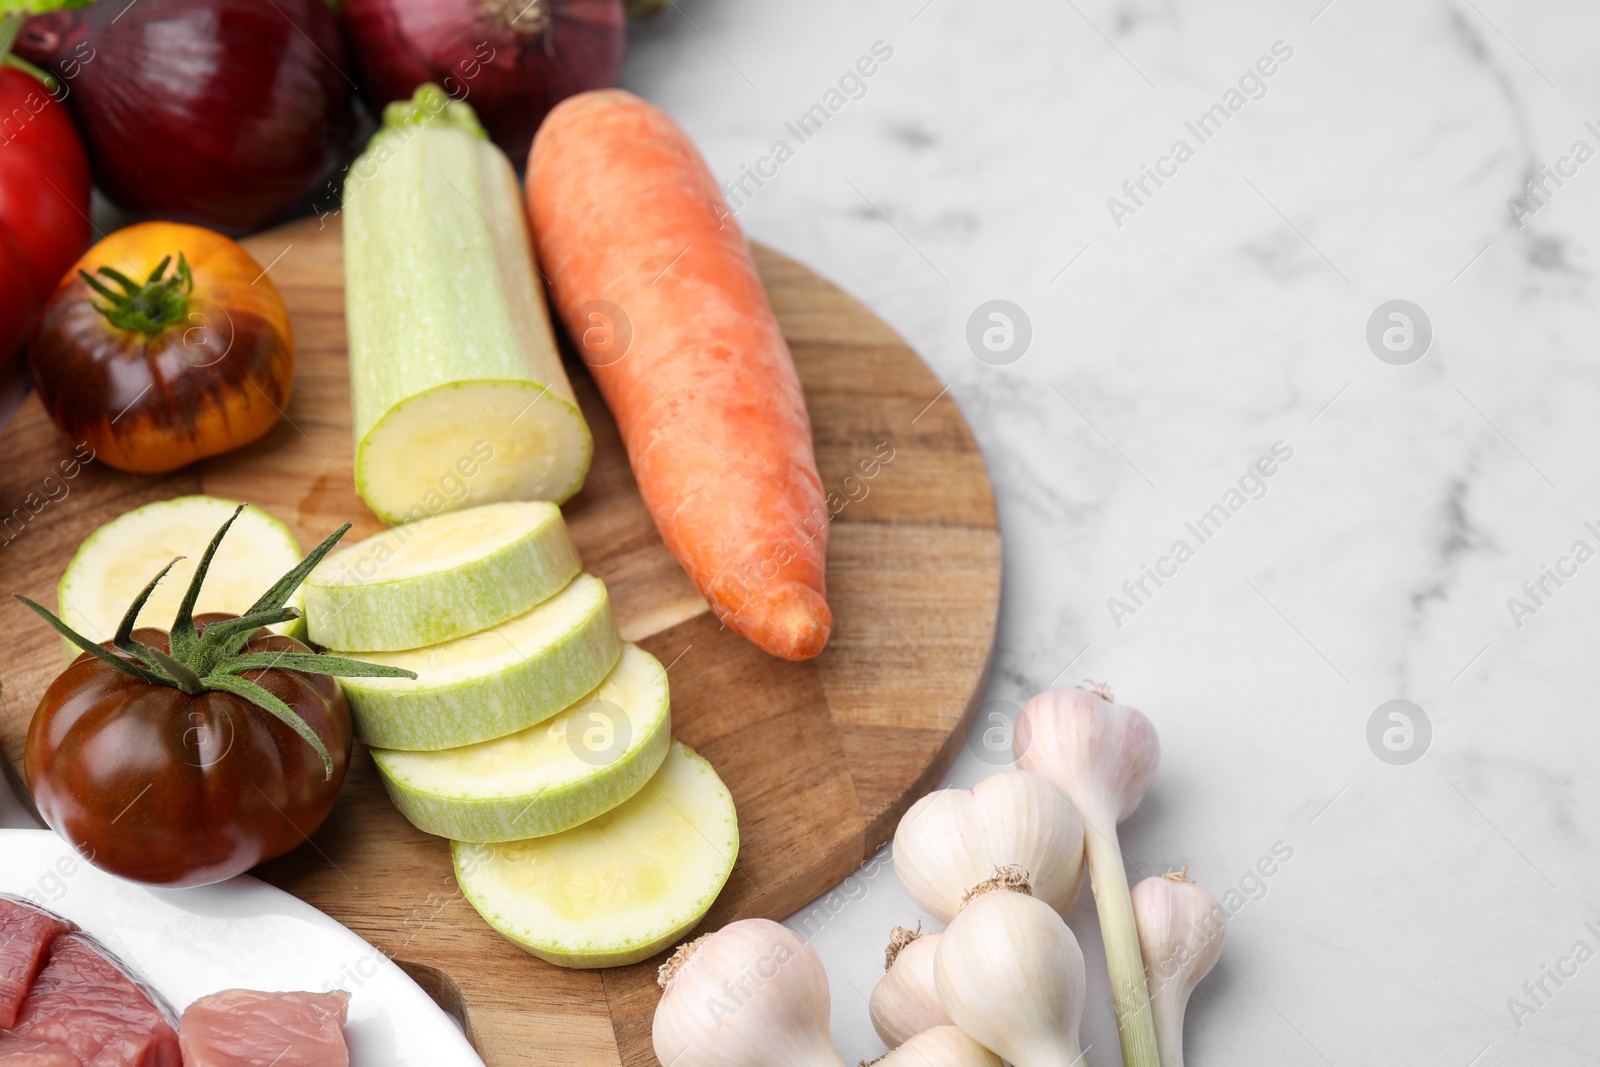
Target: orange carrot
{"x":705,"y":392}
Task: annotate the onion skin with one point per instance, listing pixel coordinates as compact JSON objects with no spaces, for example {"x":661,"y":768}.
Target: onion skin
{"x":213,"y":381}
{"x":217,"y":112}
{"x":511,"y":76}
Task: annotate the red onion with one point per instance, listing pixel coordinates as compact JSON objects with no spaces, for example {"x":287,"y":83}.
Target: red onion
{"x":216,"y":112}
{"x":512,"y":60}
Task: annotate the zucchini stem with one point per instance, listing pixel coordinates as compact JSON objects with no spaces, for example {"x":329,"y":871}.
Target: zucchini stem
{"x":429,"y":106}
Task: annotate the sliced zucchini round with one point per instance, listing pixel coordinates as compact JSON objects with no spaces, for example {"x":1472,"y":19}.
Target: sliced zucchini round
{"x":547,"y":778}
{"x":444,"y":577}
{"x":118,"y":559}
{"x":492,"y":683}
{"x":621,"y":887}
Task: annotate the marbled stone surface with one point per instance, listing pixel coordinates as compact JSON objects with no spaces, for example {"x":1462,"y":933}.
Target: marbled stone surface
{"x":1225,"y":316}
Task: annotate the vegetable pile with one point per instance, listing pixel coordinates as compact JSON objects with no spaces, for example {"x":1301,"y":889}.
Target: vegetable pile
{"x":527,"y":732}
{"x":1000,"y":865}
{"x":231,"y":114}
{"x":503,"y":708}
{"x":473,"y":655}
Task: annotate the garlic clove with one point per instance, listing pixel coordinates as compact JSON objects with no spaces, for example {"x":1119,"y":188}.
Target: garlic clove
{"x":1101,"y":754}
{"x":905,"y":1001}
{"x":750,"y":995}
{"x":1011,"y":975}
{"x":952,"y":839}
{"x":1181,"y":929}
{"x":942,"y":1046}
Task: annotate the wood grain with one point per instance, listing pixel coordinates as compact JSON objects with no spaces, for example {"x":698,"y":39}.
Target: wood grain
{"x":821,"y":757}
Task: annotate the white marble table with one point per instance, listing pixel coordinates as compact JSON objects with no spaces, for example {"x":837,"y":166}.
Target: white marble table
{"x":1226,"y":313}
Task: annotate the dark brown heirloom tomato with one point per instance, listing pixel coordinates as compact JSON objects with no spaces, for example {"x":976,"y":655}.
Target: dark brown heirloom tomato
{"x":187,"y":756}
{"x":163,"y":787}
{"x":165,"y":344}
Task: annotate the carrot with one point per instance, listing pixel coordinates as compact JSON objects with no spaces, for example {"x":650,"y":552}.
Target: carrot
{"x":625,"y":210}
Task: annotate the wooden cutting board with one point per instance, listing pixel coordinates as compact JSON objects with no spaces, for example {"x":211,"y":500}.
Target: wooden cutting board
{"x":821,"y":757}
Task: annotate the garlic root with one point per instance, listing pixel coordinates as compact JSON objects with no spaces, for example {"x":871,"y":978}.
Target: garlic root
{"x":905,"y":1002}
{"x":752,"y":994}
{"x":1181,"y":929}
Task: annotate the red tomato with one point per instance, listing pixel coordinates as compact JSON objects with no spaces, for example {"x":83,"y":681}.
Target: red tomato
{"x":17,"y":302}
{"x":48,"y":128}
{"x":44,"y":195}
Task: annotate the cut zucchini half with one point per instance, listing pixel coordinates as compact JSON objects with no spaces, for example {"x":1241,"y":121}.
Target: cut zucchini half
{"x":547,"y":778}
{"x":493,"y":683}
{"x":444,"y":577}
{"x":621,"y":887}
{"x":457,"y":389}
{"x":116,"y":561}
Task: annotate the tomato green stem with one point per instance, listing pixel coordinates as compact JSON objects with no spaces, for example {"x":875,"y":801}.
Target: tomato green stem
{"x":147,"y":307}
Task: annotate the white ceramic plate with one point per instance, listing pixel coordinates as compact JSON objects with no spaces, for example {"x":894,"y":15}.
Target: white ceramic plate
{"x":240,"y":934}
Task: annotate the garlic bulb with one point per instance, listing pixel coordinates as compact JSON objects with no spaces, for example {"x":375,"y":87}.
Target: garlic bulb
{"x":1181,"y":928}
{"x":1103,"y":755}
{"x":752,"y":994}
{"x":953,"y":839}
{"x":942,"y":1046}
{"x":1010,"y":974}
{"x":905,"y":1002}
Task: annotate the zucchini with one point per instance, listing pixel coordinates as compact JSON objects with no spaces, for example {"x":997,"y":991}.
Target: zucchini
{"x":492,"y":683}
{"x":621,"y":887}
{"x":116,"y":561}
{"x":445,"y":577}
{"x":457,"y":386}
{"x":547,"y":778}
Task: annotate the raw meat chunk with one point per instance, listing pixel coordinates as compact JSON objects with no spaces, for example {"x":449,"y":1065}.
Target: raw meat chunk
{"x":244,"y":1028}
{"x":86,"y":1000}
{"x":17,"y":1053}
{"x":25,"y":936}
